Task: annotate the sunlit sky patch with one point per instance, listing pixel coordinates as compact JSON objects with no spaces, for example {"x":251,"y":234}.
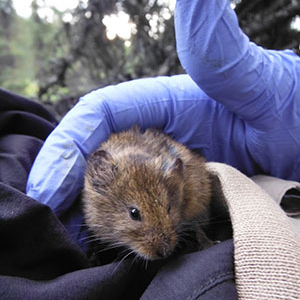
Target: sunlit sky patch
{"x":23,"y":7}
{"x":119,"y":25}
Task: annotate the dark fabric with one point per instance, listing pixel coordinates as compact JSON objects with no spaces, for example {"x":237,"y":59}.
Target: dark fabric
{"x":201,"y":275}
{"x":34,"y":244}
{"x":290,"y":202}
{"x":17,"y":153}
{"x":10,"y":101}
{"x":38,"y":257}
{"x":24,"y":125}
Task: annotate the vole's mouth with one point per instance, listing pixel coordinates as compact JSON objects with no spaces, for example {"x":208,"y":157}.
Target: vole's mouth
{"x":157,"y":256}
{"x":156,"y":248}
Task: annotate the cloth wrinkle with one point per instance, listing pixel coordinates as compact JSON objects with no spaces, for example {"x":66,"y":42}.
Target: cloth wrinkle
{"x":211,"y":283}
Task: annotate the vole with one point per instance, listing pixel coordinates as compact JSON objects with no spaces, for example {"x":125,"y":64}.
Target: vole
{"x":143,"y":190}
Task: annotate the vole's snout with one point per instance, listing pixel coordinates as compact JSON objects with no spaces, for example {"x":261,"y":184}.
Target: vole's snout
{"x":164,"y":245}
{"x":163,"y":253}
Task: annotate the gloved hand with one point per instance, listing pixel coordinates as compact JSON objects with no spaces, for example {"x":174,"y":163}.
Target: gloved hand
{"x":254,"y":125}
{"x":174,"y":104}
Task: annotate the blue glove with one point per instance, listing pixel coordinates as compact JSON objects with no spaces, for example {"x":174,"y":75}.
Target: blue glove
{"x":260,"y":86}
{"x":174,"y":104}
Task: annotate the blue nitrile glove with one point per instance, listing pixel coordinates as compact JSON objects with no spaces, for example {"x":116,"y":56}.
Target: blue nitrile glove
{"x":260,"y":86}
{"x":174,"y":104}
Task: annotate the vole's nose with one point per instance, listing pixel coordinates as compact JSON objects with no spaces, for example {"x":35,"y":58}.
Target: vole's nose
{"x":163,"y":244}
{"x":165,"y":249}
{"x":163,"y":253}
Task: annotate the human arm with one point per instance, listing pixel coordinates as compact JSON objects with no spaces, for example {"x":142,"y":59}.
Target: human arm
{"x":250,"y":81}
{"x":260,"y":86}
{"x":174,"y":104}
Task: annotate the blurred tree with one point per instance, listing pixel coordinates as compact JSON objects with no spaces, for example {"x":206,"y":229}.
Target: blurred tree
{"x":51,"y":47}
{"x":151,"y":49}
{"x":96,"y":60}
{"x":268,"y":22}
{"x":7,"y":15}
{"x":7,"y":59}
{"x":16,"y":57}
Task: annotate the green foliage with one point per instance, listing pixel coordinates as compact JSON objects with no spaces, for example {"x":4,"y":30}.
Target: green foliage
{"x":26,"y":49}
{"x":18,"y":73}
{"x":16,"y":57}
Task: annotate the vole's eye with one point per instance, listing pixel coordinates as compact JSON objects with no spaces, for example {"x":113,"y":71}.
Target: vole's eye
{"x":134,"y":214}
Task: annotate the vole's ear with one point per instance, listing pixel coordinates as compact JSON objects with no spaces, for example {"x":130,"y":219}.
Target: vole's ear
{"x":100,"y":155}
{"x":100,"y":161}
{"x":174,"y":168}
{"x":178,"y":165}
{"x":101,"y":169}
{"x":175,"y":186}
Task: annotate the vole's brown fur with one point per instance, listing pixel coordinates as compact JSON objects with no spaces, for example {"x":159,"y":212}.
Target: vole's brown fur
{"x":151,"y":173}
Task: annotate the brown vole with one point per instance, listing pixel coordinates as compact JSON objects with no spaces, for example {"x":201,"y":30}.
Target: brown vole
{"x":143,"y":190}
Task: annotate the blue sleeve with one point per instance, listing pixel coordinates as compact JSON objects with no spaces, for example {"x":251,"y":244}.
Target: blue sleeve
{"x":260,"y":86}
{"x":174,"y":104}
{"x":250,"y":81}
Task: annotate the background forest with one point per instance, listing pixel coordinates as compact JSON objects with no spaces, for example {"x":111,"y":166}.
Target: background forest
{"x":57,"y":56}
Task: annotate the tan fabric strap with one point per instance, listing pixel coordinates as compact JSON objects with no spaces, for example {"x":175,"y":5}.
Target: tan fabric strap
{"x":266,"y":244}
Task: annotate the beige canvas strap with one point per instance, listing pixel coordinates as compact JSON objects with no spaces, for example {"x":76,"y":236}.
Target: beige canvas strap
{"x":266,"y":244}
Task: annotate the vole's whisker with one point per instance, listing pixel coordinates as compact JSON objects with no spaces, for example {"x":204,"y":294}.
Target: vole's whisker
{"x":136,"y":258}
{"x":97,"y":226}
{"x":122,"y":260}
